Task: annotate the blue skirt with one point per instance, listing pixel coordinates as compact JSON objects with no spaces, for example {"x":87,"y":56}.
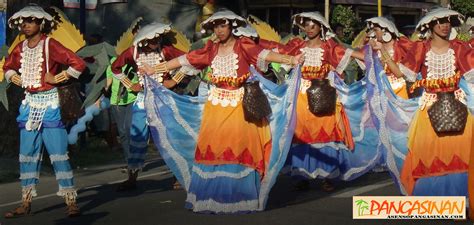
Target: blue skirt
{"x":223,"y":189}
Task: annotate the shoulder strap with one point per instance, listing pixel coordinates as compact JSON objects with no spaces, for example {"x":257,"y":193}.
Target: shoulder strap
{"x":46,"y":49}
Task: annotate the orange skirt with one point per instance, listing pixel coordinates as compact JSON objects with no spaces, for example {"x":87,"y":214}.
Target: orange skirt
{"x":432,"y":155}
{"x":227,"y":138}
{"x":311,"y":129}
{"x":401,"y":92}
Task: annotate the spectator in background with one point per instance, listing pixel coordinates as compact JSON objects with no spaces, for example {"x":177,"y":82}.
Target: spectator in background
{"x":339,"y":30}
{"x":101,"y":125}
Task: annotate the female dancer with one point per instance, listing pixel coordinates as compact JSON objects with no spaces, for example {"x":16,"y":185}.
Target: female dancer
{"x":35,"y":64}
{"x":149,"y":47}
{"x":226,"y":163}
{"x":318,"y":136}
{"x":438,"y":154}
{"x":385,"y":32}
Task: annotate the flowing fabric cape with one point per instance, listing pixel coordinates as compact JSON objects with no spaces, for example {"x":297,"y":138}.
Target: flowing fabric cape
{"x":175,"y":122}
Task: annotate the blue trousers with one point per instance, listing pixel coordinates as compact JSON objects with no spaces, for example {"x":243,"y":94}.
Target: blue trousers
{"x":52,"y":136}
{"x":139,"y":135}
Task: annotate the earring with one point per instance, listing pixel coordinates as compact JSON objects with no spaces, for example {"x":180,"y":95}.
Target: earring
{"x":234,"y":23}
{"x":453,"y":34}
{"x":386,"y":37}
{"x":42,"y":26}
{"x":426,"y":35}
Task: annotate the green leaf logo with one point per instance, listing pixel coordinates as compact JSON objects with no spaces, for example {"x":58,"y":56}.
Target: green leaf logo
{"x":361,"y":207}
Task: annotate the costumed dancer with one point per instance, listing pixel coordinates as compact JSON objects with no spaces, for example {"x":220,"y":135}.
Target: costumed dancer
{"x":385,"y":32}
{"x":322,"y":128}
{"x":35,"y":64}
{"x":225,"y":155}
{"x":439,"y":125}
{"x":149,"y":47}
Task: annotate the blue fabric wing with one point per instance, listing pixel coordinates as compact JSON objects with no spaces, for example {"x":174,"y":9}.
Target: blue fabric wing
{"x":174,"y":122}
{"x":394,"y":115}
{"x":359,"y":99}
{"x":282,"y":99}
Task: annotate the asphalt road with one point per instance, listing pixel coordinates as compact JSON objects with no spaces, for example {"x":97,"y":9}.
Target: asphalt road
{"x":154,"y":203}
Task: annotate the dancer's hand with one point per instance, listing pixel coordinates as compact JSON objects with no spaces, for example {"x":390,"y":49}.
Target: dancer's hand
{"x":136,"y":88}
{"x":16,"y":79}
{"x":299,"y":59}
{"x":385,"y":56}
{"x":61,"y":77}
{"x":49,"y":78}
{"x":375,"y":44}
{"x":147,"y":69}
{"x":169,"y":83}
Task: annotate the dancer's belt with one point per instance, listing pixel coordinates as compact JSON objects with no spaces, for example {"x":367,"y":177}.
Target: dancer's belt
{"x":447,"y":84}
{"x":39,"y":102}
{"x":228,"y":82}
{"x":309,"y":73}
{"x":225,"y":97}
{"x":428,"y":99}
